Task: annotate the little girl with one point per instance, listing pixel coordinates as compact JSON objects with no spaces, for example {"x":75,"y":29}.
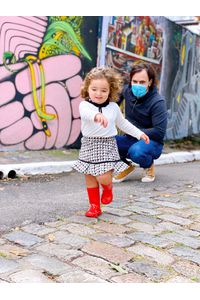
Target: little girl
{"x":99,"y":157}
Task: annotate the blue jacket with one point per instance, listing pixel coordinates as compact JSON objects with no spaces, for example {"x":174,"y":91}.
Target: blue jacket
{"x":148,"y":113}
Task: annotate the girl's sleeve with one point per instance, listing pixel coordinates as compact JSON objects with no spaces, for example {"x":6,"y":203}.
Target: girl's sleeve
{"x":85,"y":112}
{"x":126,"y":126}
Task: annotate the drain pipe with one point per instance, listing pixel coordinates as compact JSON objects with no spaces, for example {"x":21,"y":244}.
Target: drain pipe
{"x":12,"y":174}
{"x":7,"y":173}
{"x":1,"y":175}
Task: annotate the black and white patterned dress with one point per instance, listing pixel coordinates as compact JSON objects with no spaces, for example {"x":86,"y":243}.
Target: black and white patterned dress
{"x":99,"y":153}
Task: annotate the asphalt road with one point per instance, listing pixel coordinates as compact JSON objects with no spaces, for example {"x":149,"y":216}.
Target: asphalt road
{"x":48,"y":198}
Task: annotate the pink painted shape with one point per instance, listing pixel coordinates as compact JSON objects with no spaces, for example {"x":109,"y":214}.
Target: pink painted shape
{"x":57,"y":98}
{"x":36,"y":142}
{"x":36,"y":121}
{"x":27,"y":25}
{"x":75,"y":132}
{"x":74,"y":85}
{"x":11,"y":113}
{"x":17,"y":132}
{"x":56,"y":68}
{"x":4,"y":73}
{"x":28,"y":102}
{"x":53,"y":127}
{"x":7,"y":92}
{"x":15,"y":37}
{"x":18,"y":147}
{"x":75,"y":107}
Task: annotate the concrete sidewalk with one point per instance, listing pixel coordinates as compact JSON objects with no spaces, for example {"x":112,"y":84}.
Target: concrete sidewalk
{"x":18,"y":163}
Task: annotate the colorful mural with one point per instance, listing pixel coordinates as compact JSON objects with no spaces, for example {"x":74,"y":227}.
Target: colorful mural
{"x":134,"y":38}
{"x":42,"y":62}
{"x":180,"y":84}
{"x":175,"y":54}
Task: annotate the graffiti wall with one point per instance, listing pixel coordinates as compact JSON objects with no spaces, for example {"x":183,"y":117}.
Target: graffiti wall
{"x":175,"y":54}
{"x":42,"y":63}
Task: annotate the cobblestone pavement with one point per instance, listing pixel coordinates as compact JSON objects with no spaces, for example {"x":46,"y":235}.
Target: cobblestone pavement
{"x":152,"y":237}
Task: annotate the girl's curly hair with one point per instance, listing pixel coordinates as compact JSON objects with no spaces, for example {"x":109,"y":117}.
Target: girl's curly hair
{"x":114,"y":80}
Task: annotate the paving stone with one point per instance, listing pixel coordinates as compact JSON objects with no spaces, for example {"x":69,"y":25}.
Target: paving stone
{"x":141,"y":226}
{"x":38,"y":229}
{"x":119,"y":241}
{"x":78,"y":276}
{"x":13,"y":251}
{"x":55,"y":224}
{"x":195,"y":202}
{"x":143,"y":210}
{"x":195,"y":226}
{"x":150,"y":239}
{"x":60,"y":251}
{"x":7,"y":265}
{"x":168,"y":226}
{"x":188,"y":241}
{"x":188,"y":232}
{"x":108,"y":252}
{"x":172,"y":205}
{"x":29,"y":276}
{"x":158,"y":256}
{"x":63,"y":237}
{"x":175,"y":219}
{"x":179,"y":279}
{"x":141,"y":199}
{"x":188,"y":269}
{"x":78,"y":229}
{"x":82,"y":220}
{"x":114,"y":219}
{"x":147,"y":205}
{"x":187,"y":253}
{"x":95,"y":265}
{"x":111,"y":228}
{"x":119,"y":203}
{"x":23,"y":238}
{"x":130,"y":278}
{"x":153,"y":273}
{"x":116,"y":211}
{"x":3,"y":281}
{"x":49,"y":264}
{"x":145,"y":219}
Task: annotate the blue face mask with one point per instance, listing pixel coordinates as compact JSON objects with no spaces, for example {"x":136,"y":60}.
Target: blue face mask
{"x":139,"y":90}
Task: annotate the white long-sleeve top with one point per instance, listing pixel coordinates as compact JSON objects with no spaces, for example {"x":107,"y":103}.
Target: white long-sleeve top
{"x":114,"y":116}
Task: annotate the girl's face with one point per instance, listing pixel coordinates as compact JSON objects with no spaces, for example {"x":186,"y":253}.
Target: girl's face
{"x":99,"y":90}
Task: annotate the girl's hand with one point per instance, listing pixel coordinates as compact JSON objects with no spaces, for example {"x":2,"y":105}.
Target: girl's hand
{"x":145,"y":138}
{"x":99,"y":118}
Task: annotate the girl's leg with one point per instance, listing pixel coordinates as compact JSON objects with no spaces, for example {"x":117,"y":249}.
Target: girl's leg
{"x":94,"y":197}
{"x":106,"y":182}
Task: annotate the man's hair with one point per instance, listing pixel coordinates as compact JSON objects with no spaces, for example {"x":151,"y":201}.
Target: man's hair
{"x":139,"y":66}
{"x":113,"y":78}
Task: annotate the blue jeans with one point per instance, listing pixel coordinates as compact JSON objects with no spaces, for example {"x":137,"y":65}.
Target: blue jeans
{"x":139,"y":152}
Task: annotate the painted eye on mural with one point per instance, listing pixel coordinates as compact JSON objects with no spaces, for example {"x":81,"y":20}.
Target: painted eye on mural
{"x":40,"y":66}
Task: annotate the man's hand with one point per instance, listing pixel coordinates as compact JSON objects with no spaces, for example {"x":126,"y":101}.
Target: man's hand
{"x":99,"y":118}
{"x":145,"y":138}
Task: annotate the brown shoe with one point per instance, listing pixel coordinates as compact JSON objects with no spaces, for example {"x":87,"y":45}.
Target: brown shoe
{"x":149,"y":174}
{"x":124,"y":174}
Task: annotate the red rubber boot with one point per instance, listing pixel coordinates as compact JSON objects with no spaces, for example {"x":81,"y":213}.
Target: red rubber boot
{"x":107,"y":195}
{"x":94,"y":199}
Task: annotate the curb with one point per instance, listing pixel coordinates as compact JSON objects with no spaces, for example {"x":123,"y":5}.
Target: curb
{"x":49,"y":167}
{"x":178,"y":157}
